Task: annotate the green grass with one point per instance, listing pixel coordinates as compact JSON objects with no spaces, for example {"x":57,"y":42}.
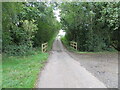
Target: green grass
{"x":22,"y":72}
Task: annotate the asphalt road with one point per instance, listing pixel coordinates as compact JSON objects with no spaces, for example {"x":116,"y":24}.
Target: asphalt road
{"x":62,"y":71}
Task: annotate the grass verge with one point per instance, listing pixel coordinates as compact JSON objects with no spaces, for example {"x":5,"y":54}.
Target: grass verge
{"x":22,"y":72}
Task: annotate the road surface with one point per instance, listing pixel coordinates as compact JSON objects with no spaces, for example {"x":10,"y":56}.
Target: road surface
{"x":62,"y":71}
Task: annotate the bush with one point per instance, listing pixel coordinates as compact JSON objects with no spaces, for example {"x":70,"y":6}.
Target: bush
{"x":65,"y":41}
{"x":18,"y":50}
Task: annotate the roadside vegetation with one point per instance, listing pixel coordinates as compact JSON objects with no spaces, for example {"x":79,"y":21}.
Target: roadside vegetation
{"x":66,"y":43}
{"x":26,"y":25}
{"x":22,"y":72}
{"x":94,"y":26}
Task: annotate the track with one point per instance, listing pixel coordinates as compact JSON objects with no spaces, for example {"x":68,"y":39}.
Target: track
{"x":62,"y":71}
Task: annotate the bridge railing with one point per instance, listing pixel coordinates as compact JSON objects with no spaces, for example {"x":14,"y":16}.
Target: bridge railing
{"x":44,"y":47}
{"x":73,"y":44}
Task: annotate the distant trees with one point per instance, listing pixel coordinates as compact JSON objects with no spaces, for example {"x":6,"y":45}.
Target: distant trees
{"x":27,"y":25}
{"x":94,"y":25}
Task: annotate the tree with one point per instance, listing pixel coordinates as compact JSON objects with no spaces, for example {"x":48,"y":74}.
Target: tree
{"x":92,"y":25}
{"x":27,"y":25}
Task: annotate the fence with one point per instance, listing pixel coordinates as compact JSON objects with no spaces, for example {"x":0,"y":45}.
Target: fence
{"x":73,"y":44}
{"x":44,"y":47}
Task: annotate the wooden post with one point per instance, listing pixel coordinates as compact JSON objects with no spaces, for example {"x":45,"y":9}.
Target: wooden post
{"x":44,"y":47}
{"x":73,"y":44}
{"x":76,"y":45}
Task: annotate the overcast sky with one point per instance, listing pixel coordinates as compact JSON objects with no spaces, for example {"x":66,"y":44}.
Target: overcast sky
{"x":57,"y":13}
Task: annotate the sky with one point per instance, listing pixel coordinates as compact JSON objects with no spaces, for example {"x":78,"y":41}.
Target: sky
{"x":57,"y":13}
{"x":62,"y":32}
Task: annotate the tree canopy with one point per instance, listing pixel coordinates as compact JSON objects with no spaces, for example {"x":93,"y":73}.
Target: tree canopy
{"x":27,"y":25}
{"x":94,"y":25}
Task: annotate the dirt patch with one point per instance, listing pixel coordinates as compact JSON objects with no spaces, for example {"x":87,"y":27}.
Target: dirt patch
{"x":104,"y":66}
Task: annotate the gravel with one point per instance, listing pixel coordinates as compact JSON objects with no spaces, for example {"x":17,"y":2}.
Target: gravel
{"x":104,"y":66}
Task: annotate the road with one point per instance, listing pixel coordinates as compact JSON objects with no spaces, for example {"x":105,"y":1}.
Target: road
{"x":62,"y":71}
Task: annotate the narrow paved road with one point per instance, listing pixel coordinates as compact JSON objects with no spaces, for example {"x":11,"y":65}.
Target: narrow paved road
{"x":62,"y":71}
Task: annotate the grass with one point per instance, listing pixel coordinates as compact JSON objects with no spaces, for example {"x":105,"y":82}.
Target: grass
{"x":22,"y":72}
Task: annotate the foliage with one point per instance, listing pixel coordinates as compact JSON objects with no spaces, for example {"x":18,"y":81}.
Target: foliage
{"x":65,"y":41}
{"x":27,"y":25}
{"x":30,"y":29}
{"x":22,"y":72}
{"x":92,"y":25}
